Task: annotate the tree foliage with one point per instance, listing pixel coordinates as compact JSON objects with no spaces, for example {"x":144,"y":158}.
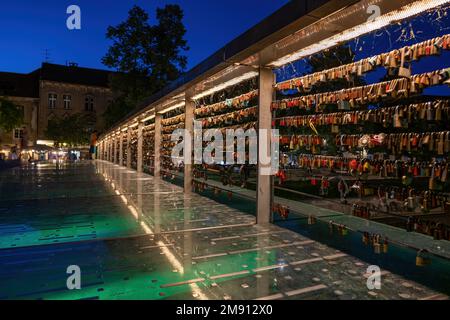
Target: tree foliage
{"x":73,"y":130}
{"x":11,"y":115}
{"x":147,"y":57}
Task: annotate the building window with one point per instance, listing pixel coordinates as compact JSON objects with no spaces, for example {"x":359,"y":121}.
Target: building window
{"x":52,"y":97}
{"x":18,"y":133}
{"x":67,"y":101}
{"x":89,"y":103}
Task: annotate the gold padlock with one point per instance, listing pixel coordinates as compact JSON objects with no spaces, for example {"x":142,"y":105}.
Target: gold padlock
{"x":385,"y":247}
{"x":422,"y":259}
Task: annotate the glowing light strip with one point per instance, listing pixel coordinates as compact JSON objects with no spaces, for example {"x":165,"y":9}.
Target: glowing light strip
{"x":145,"y":226}
{"x":364,"y":28}
{"x":176,"y":264}
{"x":134,"y":125}
{"x":148,"y":118}
{"x":226,"y":84}
{"x":176,"y":106}
{"x":170,"y":256}
{"x":133,"y":211}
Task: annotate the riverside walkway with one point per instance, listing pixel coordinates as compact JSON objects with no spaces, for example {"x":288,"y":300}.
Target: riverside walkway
{"x":137,"y":237}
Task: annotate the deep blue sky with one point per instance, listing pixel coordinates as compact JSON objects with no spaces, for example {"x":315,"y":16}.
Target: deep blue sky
{"x":28,"y":27}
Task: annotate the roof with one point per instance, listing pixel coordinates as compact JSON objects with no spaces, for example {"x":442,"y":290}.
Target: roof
{"x":75,"y":75}
{"x":19,"y":85}
{"x":27,"y":85}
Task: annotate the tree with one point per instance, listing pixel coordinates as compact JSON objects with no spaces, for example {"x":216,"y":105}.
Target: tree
{"x":146,"y":57}
{"x":11,"y":115}
{"x":73,"y":130}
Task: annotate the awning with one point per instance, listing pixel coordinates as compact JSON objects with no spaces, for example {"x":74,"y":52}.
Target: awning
{"x":39,"y":147}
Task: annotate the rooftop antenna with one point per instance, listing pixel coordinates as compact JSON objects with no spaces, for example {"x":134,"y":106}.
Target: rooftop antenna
{"x":46,"y":55}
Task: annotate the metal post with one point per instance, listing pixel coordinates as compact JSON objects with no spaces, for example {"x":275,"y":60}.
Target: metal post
{"x":115,"y":149}
{"x":188,"y":143}
{"x":121,"y":149}
{"x":264,"y":182}
{"x":100,"y":150}
{"x":129,"y":148}
{"x":157,"y":159}
{"x":109,"y":149}
{"x":139,"y":147}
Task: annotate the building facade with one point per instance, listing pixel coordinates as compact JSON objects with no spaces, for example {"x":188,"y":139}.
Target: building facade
{"x":52,"y":92}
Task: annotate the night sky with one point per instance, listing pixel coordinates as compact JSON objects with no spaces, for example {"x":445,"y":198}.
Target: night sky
{"x":29,"y":27}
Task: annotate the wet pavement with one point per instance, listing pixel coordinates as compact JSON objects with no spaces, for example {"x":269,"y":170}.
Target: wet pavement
{"x":137,"y":237}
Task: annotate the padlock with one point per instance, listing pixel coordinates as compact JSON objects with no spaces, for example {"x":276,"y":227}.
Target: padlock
{"x":385,"y":246}
{"x":377,"y":248}
{"x":422,"y":259}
